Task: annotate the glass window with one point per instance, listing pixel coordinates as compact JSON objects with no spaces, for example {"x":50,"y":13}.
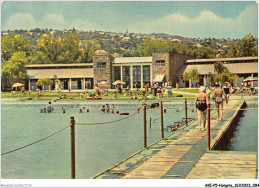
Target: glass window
{"x":137,"y":76}
{"x":146,"y":74}
{"x":117,"y":73}
{"x":160,"y":63}
{"x":126,"y":76}
{"x":101,"y":64}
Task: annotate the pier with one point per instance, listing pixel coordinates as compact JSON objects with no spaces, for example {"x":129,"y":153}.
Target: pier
{"x":184,"y":154}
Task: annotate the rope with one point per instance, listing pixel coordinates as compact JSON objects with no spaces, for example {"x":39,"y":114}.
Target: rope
{"x":101,"y":123}
{"x":35,"y":141}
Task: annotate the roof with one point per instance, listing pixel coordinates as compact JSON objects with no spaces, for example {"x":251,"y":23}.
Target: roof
{"x":61,"y":73}
{"x":59,"y":65}
{"x":220,"y":59}
{"x":237,"y":68}
{"x":132,"y":60}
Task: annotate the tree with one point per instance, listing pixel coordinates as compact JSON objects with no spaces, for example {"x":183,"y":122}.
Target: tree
{"x":246,"y":47}
{"x":14,"y":43}
{"x":233,"y":51}
{"x":186,"y":77}
{"x":193,"y":75}
{"x":44,"y":81}
{"x":14,"y":70}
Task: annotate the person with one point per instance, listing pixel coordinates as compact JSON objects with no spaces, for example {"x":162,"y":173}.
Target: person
{"x":103,"y":109}
{"x":177,"y":86}
{"x":155,"y":89}
{"x":112,"y":108}
{"x":218,"y":95}
{"x":169,"y":88}
{"x":201,"y":107}
{"x":49,"y":108}
{"x":226,"y":89}
{"x":115,"y":95}
{"x":107,"y":108}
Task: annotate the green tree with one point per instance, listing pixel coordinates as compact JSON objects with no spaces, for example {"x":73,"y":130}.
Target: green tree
{"x":193,"y":75}
{"x":233,"y":51}
{"x":44,"y":82}
{"x":14,"y":43}
{"x":186,"y":77}
{"x":247,"y":46}
{"x":14,"y":70}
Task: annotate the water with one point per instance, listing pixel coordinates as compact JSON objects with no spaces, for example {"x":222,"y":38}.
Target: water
{"x":98,"y":147}
{"x":245,"y":137}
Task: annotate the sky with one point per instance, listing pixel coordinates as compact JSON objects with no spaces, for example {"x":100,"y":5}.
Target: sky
{"x":195,"y":19}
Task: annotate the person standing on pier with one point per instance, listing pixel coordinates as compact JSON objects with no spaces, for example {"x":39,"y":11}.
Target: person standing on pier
{"x":218,"y":93}
{"x":201,"y":107}
{"x":226,"y":89}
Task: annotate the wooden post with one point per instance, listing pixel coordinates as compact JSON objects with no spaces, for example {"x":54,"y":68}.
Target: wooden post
{"x":162,"y":120}
{"x":72,"y":144}
{"x":186,"y":113}
{"x":209,"y":126}
{"x":145,"y":135}
{"x":150,"y":122}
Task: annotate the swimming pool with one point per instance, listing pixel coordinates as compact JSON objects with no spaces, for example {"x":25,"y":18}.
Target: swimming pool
{"x":98,"y":147}
{"x":245,"y":136}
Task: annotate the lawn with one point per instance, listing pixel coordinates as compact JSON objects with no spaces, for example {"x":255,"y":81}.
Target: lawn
{"x":45,"y":95}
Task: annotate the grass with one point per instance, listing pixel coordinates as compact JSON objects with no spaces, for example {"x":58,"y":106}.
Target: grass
{"x":45,"y":95}
{"x":187,"y":90}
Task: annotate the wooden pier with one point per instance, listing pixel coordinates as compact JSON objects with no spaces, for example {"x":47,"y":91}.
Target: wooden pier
{"x":184,"y":154}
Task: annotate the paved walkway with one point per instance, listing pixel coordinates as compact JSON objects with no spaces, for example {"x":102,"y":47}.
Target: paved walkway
{"x":184,"y":154}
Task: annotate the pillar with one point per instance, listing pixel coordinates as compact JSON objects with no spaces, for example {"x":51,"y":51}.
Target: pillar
{"x":70,"y":84}
{"x":204,"y":80}
{"x":142,"y":76}
{"x":29,"y":84}
{"x":131,"y":76}
{"x":84,"y":83}
{"x":121,"y":73}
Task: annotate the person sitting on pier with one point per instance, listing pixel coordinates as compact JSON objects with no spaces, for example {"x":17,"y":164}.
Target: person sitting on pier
{"x":218,"y":93}
{"x":201,"y":107}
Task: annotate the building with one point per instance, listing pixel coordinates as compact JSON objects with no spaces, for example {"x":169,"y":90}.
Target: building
{"x":137,"y":71}
{"x":243,"y":67}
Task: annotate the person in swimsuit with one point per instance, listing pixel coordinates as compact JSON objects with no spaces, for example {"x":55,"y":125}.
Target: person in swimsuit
{"x":218,"y":93}
{"x":201,"y":107}
{"x":226,"y":90}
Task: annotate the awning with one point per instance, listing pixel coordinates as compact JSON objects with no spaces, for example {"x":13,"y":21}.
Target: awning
{"x":159,"y":78}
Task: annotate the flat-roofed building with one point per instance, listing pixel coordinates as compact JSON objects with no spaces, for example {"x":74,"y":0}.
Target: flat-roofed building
{"x":243,"y":67}
{"x":70,"y":76}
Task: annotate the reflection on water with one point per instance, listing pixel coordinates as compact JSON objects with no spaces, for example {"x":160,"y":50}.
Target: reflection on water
{"x":97,"y":147}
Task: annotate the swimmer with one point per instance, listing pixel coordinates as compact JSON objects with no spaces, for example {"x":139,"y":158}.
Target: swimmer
{"x":41,"y":110}
{"x":87,"y":110}
{"x":164,"y":110}
{"x":103,"y":109}
{"x":49,"y":108}
{"x":80,"y":110}
{"x":112,"y":108}
{"x":107,"y":108}
{"x":64,"y":111}
{"x":117,"y":113}
{"x":44,"y":110}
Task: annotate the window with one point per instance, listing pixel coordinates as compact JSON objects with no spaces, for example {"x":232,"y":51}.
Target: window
{"x":160,"y":63}
{"x":101,"y":64}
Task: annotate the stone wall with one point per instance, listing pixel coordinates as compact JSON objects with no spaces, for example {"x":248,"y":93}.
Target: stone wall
{"x":102,"y":73}
{"x":173,"y":63}
{"x":160,"y":70}
{"x":177,"y":61}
